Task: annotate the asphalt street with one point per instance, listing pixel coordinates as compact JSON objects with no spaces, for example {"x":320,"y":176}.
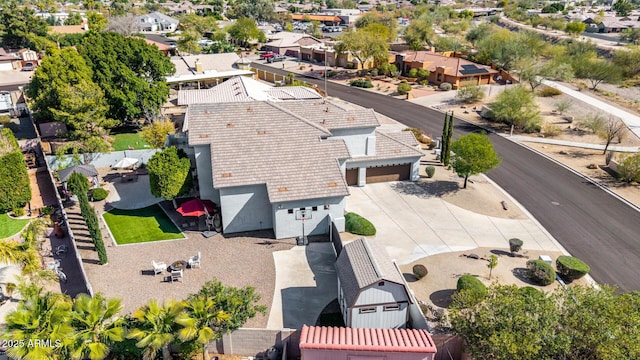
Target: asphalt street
{"x":590,"y":223}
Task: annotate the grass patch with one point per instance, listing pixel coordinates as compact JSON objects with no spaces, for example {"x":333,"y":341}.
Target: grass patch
{"x":9,"y":226}
{"x":141,"y":225}
{"x":124,"y":141}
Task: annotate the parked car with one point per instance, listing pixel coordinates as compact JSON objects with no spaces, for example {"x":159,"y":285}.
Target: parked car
{"x":267,"y":55}
{"x":276,"y":58}
{"x":28,"y":66}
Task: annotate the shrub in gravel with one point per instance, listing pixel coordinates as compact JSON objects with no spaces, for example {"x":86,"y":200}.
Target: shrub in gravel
{"x":358,"y":225}
{"x":571,"y":268}
{"x":430,"y":170}
{"x":445,"y":86}
{"x":515,"y":245}
{"x":541,"y":272}
{"x":404,"y":88}
{"x":470,"y":291}
{"x":363,"y":83}
{"x":420,"y":271}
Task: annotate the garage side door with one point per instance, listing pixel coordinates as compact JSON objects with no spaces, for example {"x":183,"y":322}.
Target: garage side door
{"x":388,"y":173}
{"x":352,"y":177}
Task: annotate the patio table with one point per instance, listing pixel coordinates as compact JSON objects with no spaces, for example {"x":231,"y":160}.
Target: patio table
{"x":179,"y":265}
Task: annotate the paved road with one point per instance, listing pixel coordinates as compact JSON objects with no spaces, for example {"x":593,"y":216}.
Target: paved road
{"x":590,"y":223}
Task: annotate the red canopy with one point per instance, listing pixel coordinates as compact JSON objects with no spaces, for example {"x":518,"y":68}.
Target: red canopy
{"x":196,"y":207}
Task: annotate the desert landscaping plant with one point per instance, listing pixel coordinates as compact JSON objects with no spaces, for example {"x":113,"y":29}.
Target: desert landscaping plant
{"x":515,"y":245}
{"x":563,"y":105}
{"x":593,"y":121}
{"x":549,"y":92}
{"x":551,"y":130}
{"x":445,"y":86}
{"x":571,"y":268}
{"x":358,"y":225}
{"x":541,"y":272}
{"x":516,"y":106}
{"x":629,"y":168}
{"x":420,"y":271}
{"x":404,"y":88}
{"x":470,"y":93}
{"x":430,"y":170}
{"x":613,"y":128}
{"x":493,"y":262}
{"x":469,"y":291}
{"x":419,"y":135}
{"x":362,"y":83}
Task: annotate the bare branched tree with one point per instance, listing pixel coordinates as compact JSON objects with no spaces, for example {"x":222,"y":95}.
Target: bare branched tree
{"x":126,"y":25}
{"x":613,"y":128}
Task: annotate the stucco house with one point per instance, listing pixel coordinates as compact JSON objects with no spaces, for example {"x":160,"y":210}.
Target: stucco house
{"x":157,"y":21}
{"x":289,"y":43}
{"x":338,"y":343}
{"x":204,"y":70}
{"x":453,"y":70}
{"x":371,"y":289}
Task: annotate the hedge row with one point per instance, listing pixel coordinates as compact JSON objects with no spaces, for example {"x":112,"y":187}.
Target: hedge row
{"x":15,"y":189}
{"x":79,"y":186}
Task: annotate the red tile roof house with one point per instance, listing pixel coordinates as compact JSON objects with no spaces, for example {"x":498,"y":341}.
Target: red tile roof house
{"x":335,"y":343}
{"x":453,"y":70}
{"x":264,"y":158}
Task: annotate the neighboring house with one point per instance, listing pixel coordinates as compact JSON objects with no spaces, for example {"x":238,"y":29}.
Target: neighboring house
{"x":348,"y":17}
{"x":204,"y":70}
{"x":616,"y":25}
{"x":8,"y":61}
{"x":263,"y":165}
{"x":337,"y":343}
{"x":325,"y":19}
{"x":371,"y":289}
{"x":157,"y":21}
{"x":289,"y":43}
{"x":162,"y":47}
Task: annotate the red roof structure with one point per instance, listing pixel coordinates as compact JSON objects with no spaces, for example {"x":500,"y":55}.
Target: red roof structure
{"x":379,"y":340}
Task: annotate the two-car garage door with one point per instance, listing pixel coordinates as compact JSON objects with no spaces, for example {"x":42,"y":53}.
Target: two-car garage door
{"x":381,"y":174}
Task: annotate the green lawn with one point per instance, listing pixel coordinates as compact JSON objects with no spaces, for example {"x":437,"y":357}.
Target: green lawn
{"x":141,"y":225}
{"x":123,"y":141}
{"x":9,"y":226}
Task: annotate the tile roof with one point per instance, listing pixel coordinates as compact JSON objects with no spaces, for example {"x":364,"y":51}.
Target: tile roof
{"x":405,"y":137}
{"x":352,"y":339}
{"x":332,"y":116}
{"x":362,"y":263}
{"x":243,"y":88}
{"x":288,"y":39}
{"x":453,"y":65}
{"x":391,"y":146}
{"x":260,"y":143}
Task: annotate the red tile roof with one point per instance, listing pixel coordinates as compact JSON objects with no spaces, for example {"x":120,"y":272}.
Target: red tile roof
{"x":389,"y":340}
{"x":304,"y":17}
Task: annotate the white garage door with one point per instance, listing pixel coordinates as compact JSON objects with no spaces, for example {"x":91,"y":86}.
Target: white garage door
{"x":6,"y":66}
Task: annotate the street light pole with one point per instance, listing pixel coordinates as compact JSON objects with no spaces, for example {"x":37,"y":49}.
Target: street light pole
{"x":325,"y":72}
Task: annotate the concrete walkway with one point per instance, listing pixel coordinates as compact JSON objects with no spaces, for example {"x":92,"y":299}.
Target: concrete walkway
{"x":631,"y":149}
{"x":413,"y":224}
{"x":632,"y":121}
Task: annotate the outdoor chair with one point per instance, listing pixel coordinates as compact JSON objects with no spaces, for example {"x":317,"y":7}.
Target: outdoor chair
{"x":194,"y":261}
{"x":158,"y":267}
{"x":176,"y":275}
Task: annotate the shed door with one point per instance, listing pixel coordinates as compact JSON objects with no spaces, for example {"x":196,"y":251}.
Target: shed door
{"x":6,"y":66}
{"x":352,"y":177}
{"x":388,"y":173}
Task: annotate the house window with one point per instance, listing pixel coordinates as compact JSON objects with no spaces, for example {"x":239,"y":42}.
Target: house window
{"x":314,"y":208}
{"x":290,"y":211}
{"x":302,"y":209}
{"x":391,"y":307}
{"x":326,"y":207}
{"x":367,"y":310}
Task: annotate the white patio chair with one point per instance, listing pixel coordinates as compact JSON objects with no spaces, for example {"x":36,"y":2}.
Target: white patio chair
{"x":176,"y":275}
{"x":194,"y":261}
{"x":158,"y":267}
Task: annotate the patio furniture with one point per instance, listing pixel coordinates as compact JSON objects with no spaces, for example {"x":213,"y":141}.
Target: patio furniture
{"x":176,"y":275}
{"x":178,"y":265}
{"x":158,"y":267}
{"x":194,"y":261}
{"x":128,"y":177}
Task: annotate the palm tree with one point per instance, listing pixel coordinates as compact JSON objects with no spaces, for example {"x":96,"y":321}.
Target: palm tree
{"x":95,"y":329}
{"x":201,"y":321}
{"x":41,"y":316}
{"x":155,"y":328}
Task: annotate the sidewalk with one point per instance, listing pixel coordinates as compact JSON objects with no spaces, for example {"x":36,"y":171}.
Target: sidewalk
{"x":519,"y":138}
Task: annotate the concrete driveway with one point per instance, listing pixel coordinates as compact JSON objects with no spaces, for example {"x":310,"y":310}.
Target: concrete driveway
{"x":411,"y":224}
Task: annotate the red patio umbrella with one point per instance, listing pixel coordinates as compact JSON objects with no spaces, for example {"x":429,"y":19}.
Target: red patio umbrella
{"x":196,"y":207}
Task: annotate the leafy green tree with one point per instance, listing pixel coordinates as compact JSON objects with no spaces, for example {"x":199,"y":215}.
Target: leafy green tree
{"x":95,"y":326}
{"x":473,"y":154}
{"x":74,"y":19}
{"x":96,"y":21}
{"x":470,"y":94}
{"x":41,"y":315}
{"x":169,"y":173}
{"x":386,"y":24}
{"x":623,"y":7}
{"x":156,"y":133}
{"x":15,"y":187}
{"x":627,"y":60}
{"x":188,"y":42}
{"x":631,"y":35}
{"x":259,"y":10}
{"x":365,"y":46}
{"x":628,"y":170}
{"x":506,"y":49}
{"x":596,"y":71}
{"x":155,"y":327}
{"x":20,"y":26}
{"x":131,"y":73}
{"x":516,"y":106}
{"x":419,"y":33}
{"x":201,"y":321}
{"x":245,"y":30}
{"x":575,"y":27}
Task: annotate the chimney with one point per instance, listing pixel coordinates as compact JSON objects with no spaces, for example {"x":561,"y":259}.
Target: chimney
{"x":198,"y":67}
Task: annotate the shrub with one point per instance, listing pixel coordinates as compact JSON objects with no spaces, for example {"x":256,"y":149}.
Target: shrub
{"x":358,"y":225}
{"x":5,"y":119}
{"x":362,"y":83}
{"x":549,"y":92}
{"x":413,"y":73}
{"x":423,"y":74}
{"x":470,"y":291}
{"x":430,"y":170}
{"x":470,"y":94}
{"x":404,"y":88}
{"x":18,"y":211}
{"x":571,"y":268}
{"x":15,"y":187}
{"x":541,"y":272}
{"x":91,"y":220}
{"x":515,"y":245}
{"x":446,"y":86}
{"x":551,"y":130}
{"x":99,"y":194}
{"x":78,"y":183}
{"x":420,"y":271}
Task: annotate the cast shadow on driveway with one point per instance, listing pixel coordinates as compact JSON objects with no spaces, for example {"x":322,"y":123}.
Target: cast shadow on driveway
{"x":425,"y":190}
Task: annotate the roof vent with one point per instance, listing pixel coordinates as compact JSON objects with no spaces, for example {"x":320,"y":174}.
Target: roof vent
{"x":324,"y":121}
{"x":283,"y":189}
{"x":203,"y":136}
{"x":206,"y":112}
{"x":262,"y":132}
{"x":332,"y":184}
{"x":326,"y":110}
{"x":226,"y":175}
{"x":249,"y":109}
{"x":229,"y":125}
{"x":351,"y":118}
